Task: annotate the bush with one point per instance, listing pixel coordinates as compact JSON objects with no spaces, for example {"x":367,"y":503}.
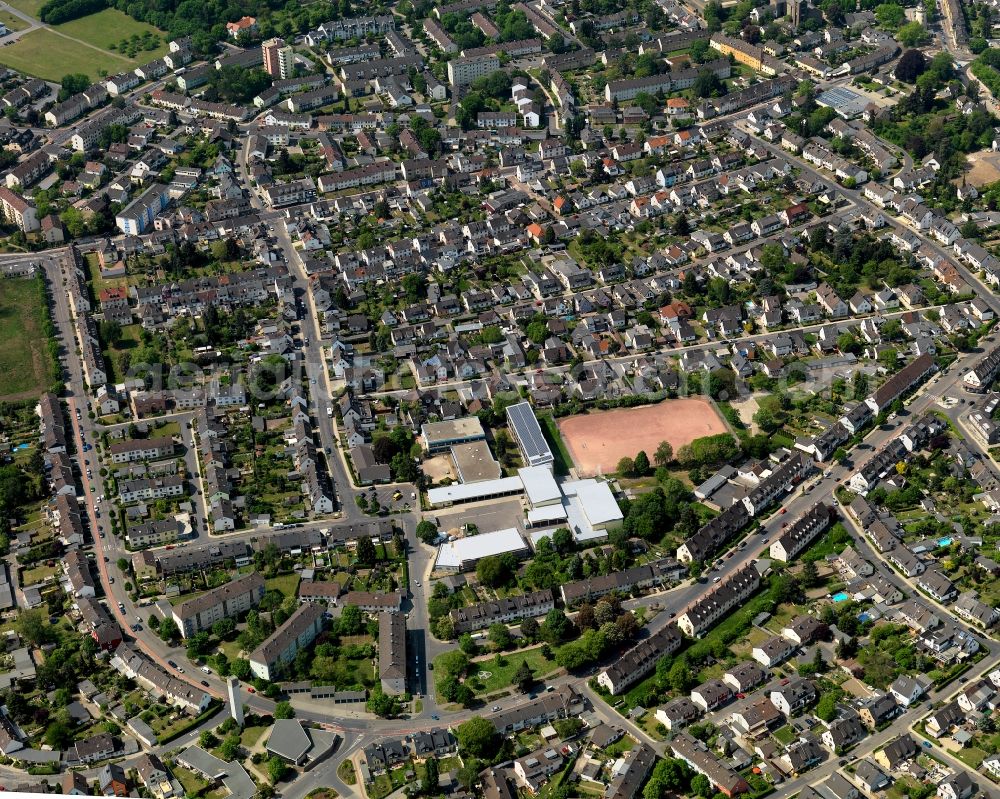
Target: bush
{"x":57,"y":11}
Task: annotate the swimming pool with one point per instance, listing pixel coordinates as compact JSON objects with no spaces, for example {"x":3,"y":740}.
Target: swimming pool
{"x":841,"y":597}
{"x":944,"y":542}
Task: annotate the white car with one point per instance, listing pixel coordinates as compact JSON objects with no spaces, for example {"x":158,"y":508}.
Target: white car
{"x":206,"y":669}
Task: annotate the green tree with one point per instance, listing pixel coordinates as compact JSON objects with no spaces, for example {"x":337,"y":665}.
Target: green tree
{"x":276,"y":769}
{"x":680,"y":677}
{"x":557,"y":627}
{"x":827,"y":707}
{"x":59,"y":734}
{"x":500,"y":636}
{"x":912,"y":34}
{"x":890,"y":15}
{"x":382,"y":704}
{"x":468,"y":644}
{"x":206,"y":740}
{"x":641,"y":464}
{"x":477,"y":737}
{"x":523,"y":677}
{"x":701,"y":786}
{"x":427,"y":531}
{"x":454,"y":662}
{"x":626,"y":467}
{"x":351,"y":620}
{"x":529,"y":629}
{"x":32,"y":625}
{"x":284,"y":710}
{"x":429,"y":784}
{"x":664,"y":454}
{"x":495,"y":570}
{"x":366,"y":551}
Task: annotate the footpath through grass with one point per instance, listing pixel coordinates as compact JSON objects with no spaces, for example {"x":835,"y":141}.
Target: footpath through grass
{"x":50,"y":53}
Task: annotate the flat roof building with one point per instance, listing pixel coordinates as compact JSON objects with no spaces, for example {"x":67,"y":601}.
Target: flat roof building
{"x":596,"y":501}
{"x":458,"y":493}
{"x":464,"y":553}
{"x":475,"y":463}
{"x":528,"y":434}
{"x":540,"y":486}
{"x":439,"y":436}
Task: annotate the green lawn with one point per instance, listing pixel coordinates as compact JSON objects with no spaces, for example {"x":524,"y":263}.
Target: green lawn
{"x":29,"y":7}
{"x":287,"y":584}
{"x":39,"y":573}
{"x":972,"y":756}
{"x":45,"y":54}
{"x":251,"y":735}
{"x":501,"y":677}
{"x":12,"y":21}
{"x":190,"y":782}
{"x":109,"y":27}
{"x":563,"y":462}
{"x":784,"y":735}
{"x":25,"y":365}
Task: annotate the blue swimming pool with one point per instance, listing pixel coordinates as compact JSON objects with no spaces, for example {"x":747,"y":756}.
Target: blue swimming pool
{"x":841,"y":597}
{"x":944,"y":542}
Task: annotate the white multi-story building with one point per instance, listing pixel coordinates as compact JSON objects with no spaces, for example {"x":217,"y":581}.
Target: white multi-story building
{"x":463,"y":71}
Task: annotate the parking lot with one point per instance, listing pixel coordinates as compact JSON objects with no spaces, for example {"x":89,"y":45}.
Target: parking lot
{"x":488,"y":516}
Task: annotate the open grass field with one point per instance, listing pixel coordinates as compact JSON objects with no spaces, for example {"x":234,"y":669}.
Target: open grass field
{"x":109,"y":27}
{"x":25,"y":367}
{"x":80,"y":45}
{"x":12,"y":21}
{"x":29,"y":7}
{"x":597,"y":441}
{"x":45,"y":54}
{"x":497,"y":678}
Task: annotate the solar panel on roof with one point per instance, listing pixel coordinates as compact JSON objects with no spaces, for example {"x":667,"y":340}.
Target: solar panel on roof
{"x":528,"y":432}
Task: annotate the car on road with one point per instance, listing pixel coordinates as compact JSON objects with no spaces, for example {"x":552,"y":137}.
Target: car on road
{"x":496,"y":708}
{"x":107,"y":559}
{"x":784,"y":510}
{"x":251,"y":689}
{"x":111,"y":579}
{"x":842,"y":762}
{"x":417,"y":583}
{"x":121,"y":606}
{"x":205,"y":683}
{"x":764,"y":540}
{"x":206,"y":669}
{"x":925,"y":744}
{"x":672,"y":614}
{"x":435,"y":716}
{"x":171,"y":664}
{"x":717,"y":579}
